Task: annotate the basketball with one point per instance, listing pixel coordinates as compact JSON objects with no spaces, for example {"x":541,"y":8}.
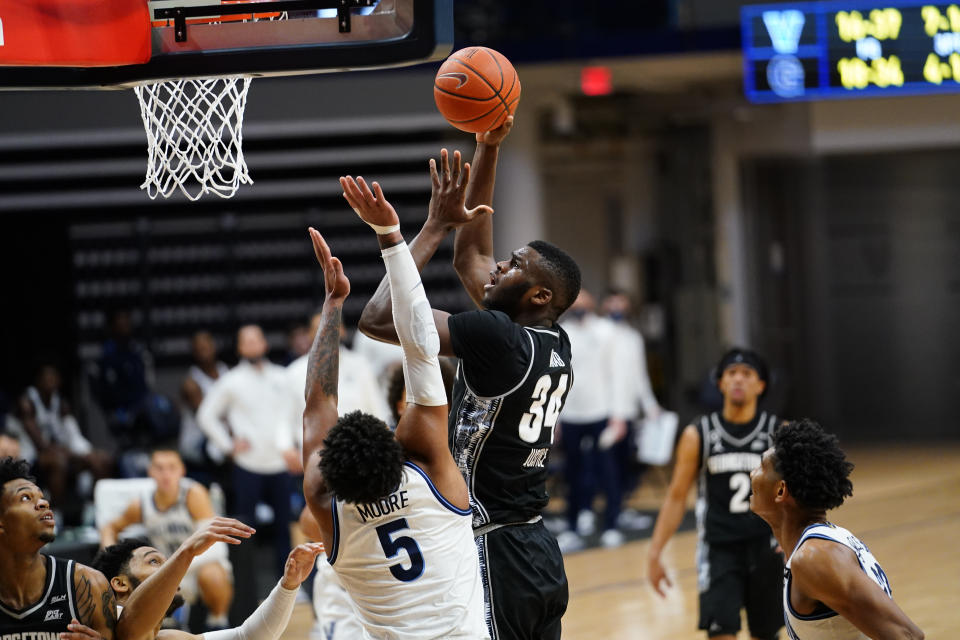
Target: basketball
{"x":476,"y":89}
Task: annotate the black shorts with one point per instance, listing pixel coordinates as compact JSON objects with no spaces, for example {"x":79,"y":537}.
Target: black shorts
{"x":524,"y":584}
{"x":735,"y":575}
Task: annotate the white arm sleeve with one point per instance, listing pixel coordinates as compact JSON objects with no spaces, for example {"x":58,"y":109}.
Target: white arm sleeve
{"x":266,"y":623}
{"x":413,"y":318}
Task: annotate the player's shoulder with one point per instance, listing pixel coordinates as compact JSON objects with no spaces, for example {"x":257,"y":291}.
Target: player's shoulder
{"x":819,"y":556}
{"x":483,"y":316}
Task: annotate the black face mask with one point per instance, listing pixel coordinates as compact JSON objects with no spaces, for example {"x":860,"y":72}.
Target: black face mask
{"x":253,"y":361}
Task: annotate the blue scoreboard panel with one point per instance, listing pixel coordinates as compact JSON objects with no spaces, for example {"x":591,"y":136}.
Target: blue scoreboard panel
{"x":816,"y":50}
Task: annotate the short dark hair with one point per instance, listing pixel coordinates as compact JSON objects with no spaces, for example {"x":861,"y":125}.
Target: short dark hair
{"x":812,"y":464}
{"x":562,"y":269}
{"x":740,"y":355}
{"x":396,"y":385}
{"x":362,"y":461}
{"x":114,"y":560}
{"x":14,"y":469}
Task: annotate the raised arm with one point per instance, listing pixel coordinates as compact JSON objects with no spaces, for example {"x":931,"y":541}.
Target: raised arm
{"x":423,"y":428}
{"x":449,"y":185}
{"x":148,"y":603}
{"x":323,"y":368}
{"x":473,"y":256}
{"x":674,"y":505}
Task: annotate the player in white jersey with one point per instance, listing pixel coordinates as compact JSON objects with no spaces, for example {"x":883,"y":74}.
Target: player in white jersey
{"x":393,"y":509}
{"x":171,"y":512}
{"x":834,"y":589}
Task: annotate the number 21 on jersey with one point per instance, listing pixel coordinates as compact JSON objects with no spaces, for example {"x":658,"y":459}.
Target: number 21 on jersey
{"x":539,"y":416}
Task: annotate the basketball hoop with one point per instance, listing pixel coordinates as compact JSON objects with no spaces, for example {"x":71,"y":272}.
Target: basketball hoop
{"x":194,"y":136}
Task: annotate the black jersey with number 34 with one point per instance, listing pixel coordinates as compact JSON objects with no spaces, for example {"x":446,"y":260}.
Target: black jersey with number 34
{"x":511,"y":384}
{"x":728,"y":453}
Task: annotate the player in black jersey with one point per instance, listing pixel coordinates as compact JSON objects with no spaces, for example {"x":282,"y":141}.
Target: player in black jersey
{"x":513,"y":377}
{"x":40,"y":594}
{"x":738,"y":562}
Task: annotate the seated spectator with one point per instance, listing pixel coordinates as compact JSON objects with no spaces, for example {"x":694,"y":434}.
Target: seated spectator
{"x":60,"y":449}
{"x":197,"y":451}
{"x":9,"y":445}
{"x":171,"y":513}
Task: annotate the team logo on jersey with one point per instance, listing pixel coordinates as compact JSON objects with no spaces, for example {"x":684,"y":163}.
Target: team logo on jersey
{"x":555,"y":360}
{"x":56,"y":599}
{"x":53,"y":614}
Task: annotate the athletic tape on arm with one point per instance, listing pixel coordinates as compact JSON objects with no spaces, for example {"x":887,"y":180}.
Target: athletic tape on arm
{"x":266,"y":623}
{"x":413,"y":318}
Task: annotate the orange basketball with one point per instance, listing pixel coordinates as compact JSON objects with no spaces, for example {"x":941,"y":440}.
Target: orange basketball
{"x":476,"y":89}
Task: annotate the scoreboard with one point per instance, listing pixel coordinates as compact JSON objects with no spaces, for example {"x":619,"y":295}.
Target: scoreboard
{"x":816,"y":50}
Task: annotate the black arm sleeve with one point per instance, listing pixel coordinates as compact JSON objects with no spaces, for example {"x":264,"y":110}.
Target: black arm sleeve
{"x":494,"y":350}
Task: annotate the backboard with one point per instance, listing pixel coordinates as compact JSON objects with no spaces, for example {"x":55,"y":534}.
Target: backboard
{"x":209,"y":38}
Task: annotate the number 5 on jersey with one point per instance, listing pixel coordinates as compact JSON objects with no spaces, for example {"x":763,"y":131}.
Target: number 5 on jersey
{"x":534,"y":420}
{"x":392,"y":546}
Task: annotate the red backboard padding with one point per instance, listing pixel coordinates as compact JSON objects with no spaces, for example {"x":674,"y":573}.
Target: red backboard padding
{"x":74,"y":33}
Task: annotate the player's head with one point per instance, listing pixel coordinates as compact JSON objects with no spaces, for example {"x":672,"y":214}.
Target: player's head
{"x":127,"y":564}
{"x":26,"y":521}
{"x":166,"y":468}
{"x":805,"y":467}
{"x":204,"y":347}
{"x":362,"y":461}
{"x":397,"y":388}
{"x":741,"y":376}
{"x":538,"y":276}
{"x":47,"y":379}
{"x":251,"y":343}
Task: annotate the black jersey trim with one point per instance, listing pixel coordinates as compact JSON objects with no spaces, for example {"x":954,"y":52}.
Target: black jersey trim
{"x":829,"y":613}
{"x":463,"y":369}
{"x":552,"y":332}
{"x":332,"y":556}
{"x":51,"y":578}
{"x":436,"y":492}
{"x":71,"y":568}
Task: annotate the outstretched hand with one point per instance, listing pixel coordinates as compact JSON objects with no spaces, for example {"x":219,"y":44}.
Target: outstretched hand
{"x":449,"y":192}
{"x":334,"y":279}
{"x":300,"y":563}
{"x":370,"y":205}
{"x":496,"y":136}
{"x":217,"y":530}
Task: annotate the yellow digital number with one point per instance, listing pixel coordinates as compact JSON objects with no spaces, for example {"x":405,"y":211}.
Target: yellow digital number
{"x":854,"y":73}
{"x":887,"y":71}
{"x":955,"y":65}
{"x":931,"y":20}
{"x":931,"y":69}
{"x":886,"y":23}
{"x":850,"y":26}
{"x":953,"y":14}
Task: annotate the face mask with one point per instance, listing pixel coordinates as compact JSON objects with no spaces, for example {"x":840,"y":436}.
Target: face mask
{"x":577,"y":314}
{"x":254,"y":361}
{"x":617,"y":316}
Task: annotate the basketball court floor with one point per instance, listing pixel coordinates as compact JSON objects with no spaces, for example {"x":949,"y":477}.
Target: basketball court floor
{"x":905,"y":507}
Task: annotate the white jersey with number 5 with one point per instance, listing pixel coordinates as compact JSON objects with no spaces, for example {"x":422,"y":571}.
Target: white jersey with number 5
{"x":827,"y":624}
{"x":410,"y":564}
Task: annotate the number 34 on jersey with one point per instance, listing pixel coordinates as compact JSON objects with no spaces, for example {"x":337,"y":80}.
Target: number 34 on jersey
{"x":544,"y":412}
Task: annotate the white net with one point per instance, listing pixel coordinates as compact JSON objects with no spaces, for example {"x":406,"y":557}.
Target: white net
{"x":194,"y":136}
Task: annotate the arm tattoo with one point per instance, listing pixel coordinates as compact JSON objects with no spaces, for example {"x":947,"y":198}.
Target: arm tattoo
{"x":109,"y":609}
{"x":85,"y":603}
{"x":324,"y":362}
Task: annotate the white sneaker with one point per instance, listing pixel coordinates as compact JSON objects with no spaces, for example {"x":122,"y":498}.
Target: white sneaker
{"x":611,"y":538}
{"x":569,"y":542}
{"x":633,"y":520}
{"x":586,"y":523}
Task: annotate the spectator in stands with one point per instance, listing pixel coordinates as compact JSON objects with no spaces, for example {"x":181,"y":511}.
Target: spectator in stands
{"x":299,"y":339}
{"x":592,"y":422}
{"x":632,"y":354}
{"x":125,"y":373}
{"x":67,"y":463}
{"x":9,"y":445}
{"x":201,"y":455}
{"x":358,"y":386}
{"x":171,"y":513}
{"x":247,"y":413}
{"x":382,"y":356}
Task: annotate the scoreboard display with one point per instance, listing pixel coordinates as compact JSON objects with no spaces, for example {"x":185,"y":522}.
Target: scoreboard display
{"x":816,"y":50}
